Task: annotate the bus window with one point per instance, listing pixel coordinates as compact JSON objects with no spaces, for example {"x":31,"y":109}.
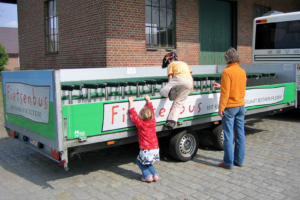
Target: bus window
{"x":280,"y":35}
{"x":276,"y":38}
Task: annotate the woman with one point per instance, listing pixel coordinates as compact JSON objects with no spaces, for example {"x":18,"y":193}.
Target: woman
{"x":232,"y":110}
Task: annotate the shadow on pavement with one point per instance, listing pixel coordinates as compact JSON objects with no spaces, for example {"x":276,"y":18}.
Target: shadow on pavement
{"x":26,"y":163}
{"x":115,"y":163}
{"x":250,"y":130}
{"x":292,"y":116}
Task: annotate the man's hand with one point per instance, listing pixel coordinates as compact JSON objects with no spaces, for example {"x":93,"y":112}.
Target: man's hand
{"x":221,"y":113}
{"x":147,"y":98}
{"x":217,"y":85}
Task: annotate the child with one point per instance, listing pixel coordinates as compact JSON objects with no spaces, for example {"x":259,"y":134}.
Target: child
{"x":179,"y":87}
{"x":149,"y":150}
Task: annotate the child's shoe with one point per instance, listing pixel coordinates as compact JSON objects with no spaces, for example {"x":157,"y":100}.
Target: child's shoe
{"x":170,"y":124}
{"x":155,"y":178}
{"x":148,"y":180}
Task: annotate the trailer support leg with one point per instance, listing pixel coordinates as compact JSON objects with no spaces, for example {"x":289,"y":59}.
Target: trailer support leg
{"x":64,"y":158}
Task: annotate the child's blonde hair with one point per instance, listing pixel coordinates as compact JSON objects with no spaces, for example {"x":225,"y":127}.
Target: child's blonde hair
{"x":146,"y":114}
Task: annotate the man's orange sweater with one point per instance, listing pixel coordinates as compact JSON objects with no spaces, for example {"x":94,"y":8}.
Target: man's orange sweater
{"x":233,"y":87}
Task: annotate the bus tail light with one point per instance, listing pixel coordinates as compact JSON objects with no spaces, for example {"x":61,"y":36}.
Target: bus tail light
{"x":261,"y":21}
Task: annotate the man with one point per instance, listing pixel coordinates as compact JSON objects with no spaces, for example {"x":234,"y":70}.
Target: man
{"x":179,"y":86}
{"x":232,"y":110}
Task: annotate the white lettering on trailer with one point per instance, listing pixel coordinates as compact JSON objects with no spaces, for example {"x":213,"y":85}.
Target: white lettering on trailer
{"x":78,"y":133}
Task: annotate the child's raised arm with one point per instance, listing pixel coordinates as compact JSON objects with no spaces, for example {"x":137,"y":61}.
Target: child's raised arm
{"x":147,"y":99}
{"x":149,"y":103}
{"x":130,"y":99}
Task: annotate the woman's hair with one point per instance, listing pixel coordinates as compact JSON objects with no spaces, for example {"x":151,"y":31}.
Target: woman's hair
{"x":231,"y":56}
{"x":170,"y":56}
{"x":146,"y":114}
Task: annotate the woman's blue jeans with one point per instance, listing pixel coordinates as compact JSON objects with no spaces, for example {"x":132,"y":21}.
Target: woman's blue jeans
{"x":146,"y":169}
{"x":234,"y":133}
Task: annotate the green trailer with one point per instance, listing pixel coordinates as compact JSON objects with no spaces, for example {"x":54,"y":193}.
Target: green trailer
{"x":67,"y":111}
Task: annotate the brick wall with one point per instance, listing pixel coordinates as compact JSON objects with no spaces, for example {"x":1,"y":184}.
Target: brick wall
{"x":187,"y":31}
{"x":13,"y":63}
{"x":31,"y":34}
{"x":81,"y":32}
{"x":102,"y":33}
{"x":126,"y":34}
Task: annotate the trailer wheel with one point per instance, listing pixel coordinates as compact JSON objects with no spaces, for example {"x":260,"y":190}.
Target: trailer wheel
{"x":40,"y":145}
{"x":217,"y":137}
{"x":25,"y":138}
{"x":184,"y":145}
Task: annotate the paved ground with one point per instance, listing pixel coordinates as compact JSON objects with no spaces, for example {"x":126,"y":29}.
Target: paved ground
{"x":271,"y":170}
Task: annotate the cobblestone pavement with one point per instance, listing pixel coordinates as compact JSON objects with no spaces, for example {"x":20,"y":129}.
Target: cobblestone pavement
{"x":271,"y":170}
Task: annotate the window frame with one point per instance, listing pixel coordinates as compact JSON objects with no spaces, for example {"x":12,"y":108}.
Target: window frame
{"x":159,"y":43}
{"x":51,"y":23}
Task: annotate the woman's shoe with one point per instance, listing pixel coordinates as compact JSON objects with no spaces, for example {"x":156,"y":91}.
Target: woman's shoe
{"x":148,"y":180}
{"x":156,"y":177}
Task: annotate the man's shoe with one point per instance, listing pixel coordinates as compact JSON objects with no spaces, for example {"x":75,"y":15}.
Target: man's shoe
{"x":170,"y":124}
{"x":224,"y":166}
{"x":175,"y":91}
{"x":237,"y":164}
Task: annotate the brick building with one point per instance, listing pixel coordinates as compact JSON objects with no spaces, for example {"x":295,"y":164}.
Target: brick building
{"x":9,"y":39}
{"x":100,"y":33}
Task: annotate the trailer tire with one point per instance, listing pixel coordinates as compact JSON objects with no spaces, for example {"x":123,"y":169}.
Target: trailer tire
{"x":184,"y":145}
{"x":217,"y":137}
{"x":40,"y":145}
{"x":25,"y":138}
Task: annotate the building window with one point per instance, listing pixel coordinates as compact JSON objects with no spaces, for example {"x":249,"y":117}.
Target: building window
{"x":52,"y":39}
{"x":260,"y":10}
{"x":160,"y":26}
